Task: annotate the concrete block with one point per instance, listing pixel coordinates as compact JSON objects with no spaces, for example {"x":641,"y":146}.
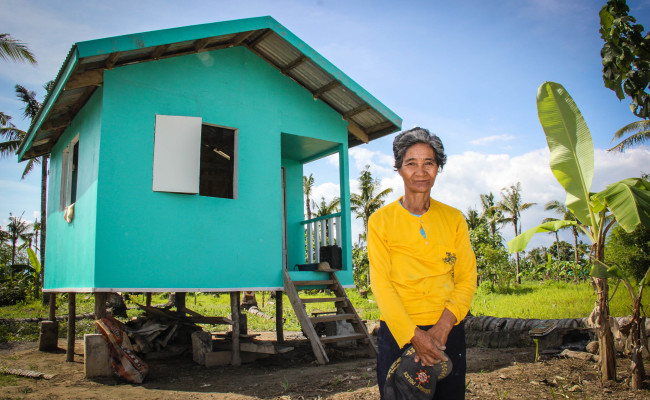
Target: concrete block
{"x":48,"y":336}
{"x":97,"y":361}
{"x":201,"y":345}
{"x":218,"y":358}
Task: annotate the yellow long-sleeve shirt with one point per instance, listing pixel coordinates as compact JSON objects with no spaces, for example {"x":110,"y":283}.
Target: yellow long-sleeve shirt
{"x":414,"y":277}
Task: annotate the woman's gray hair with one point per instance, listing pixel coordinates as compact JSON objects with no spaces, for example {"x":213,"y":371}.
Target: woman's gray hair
{"x":406,"y":139}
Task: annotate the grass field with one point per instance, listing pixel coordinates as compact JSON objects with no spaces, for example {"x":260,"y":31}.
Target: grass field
{"x":528,"y":300}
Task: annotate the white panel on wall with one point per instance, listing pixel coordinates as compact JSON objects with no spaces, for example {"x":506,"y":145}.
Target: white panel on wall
{"x":177,"y":154}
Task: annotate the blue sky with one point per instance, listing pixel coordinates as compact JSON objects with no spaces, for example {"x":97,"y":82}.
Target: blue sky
{"x":466,"y":70}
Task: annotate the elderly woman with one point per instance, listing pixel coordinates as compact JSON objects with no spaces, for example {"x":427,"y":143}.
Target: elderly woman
{"x":422,"y":268}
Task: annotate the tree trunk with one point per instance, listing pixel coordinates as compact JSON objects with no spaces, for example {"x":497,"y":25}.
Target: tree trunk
{"x":605,"y":337}
{"x":575,"y":251}
{"x":44,"y":162}
{"x":517,"y":278}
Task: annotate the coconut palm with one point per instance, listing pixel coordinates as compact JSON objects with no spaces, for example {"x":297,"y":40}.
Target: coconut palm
{"x":512,"y":205}
{"x":14,"y":50}
{"x":16,"y":228}
{"x":307,"y":186}
{"x":491,"y":213}
{"x":565,"y":214}
{"x":473,"y":218}
{"x":639,"y":132}
{"x":31,"y":109}
{"x":370,"y":199}
{"x":324,"y":208}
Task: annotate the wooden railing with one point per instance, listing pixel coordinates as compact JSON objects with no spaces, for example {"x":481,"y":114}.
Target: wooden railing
{"x":321,"y":231}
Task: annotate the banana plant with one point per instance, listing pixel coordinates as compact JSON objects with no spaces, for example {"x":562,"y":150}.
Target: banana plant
{"x":572,"y":164}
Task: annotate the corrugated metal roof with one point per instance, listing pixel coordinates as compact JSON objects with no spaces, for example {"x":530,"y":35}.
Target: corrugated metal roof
{"x":82,"y":73}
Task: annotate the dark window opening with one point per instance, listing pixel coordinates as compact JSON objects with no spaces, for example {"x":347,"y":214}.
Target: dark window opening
{"x":217,"y":177}
{"x":74,"y":172}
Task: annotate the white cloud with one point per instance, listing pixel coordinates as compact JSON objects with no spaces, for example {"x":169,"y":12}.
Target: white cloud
{"x":489,"y":139}
{"x":470,"y":174}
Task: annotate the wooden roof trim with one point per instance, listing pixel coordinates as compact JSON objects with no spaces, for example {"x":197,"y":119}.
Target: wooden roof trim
{"x":379,"y":127}
{"x":200,"y":44}
{"x":240,"y":37}
{"x":357,"y":110}
{"x":320,"y":91}
{"x":295,"y":63}
{"x":159,"y":51}
{"x":356,"y":130}
{"x":111,"y":60}
{"x":265,"y":33}
{"x":92,"y":77}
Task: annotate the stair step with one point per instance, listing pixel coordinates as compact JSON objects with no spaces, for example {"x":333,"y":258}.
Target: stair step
{"x":313,"y":283}
{"x":321,"y":299}
{"x":342,"y":338}
{"x":334,"y":317}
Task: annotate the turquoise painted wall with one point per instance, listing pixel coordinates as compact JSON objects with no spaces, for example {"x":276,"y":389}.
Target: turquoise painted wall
{"x":70,"y":250}
{"x":148,"y":239}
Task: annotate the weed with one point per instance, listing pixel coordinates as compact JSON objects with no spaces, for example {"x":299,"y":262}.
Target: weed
{"x":285,"y":384}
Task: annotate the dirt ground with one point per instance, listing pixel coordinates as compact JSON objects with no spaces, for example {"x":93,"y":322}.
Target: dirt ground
{"x":493,"y":374}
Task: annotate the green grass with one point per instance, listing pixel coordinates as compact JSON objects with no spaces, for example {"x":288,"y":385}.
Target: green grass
{"x":528,"y":300}
{"x":550,"y":300}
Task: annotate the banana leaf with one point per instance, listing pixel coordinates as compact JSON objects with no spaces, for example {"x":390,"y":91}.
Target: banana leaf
{"x":628,"y":200}
{"x":572,"y":150}
{"x":520,"y":242}
{"x":34,"y":261}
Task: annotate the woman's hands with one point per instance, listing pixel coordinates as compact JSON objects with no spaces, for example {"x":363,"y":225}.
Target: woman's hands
{"x":429,"y":345}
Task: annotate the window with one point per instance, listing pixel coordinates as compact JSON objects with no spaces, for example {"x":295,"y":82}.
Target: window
{"x":69,"y":173}
{"x":195,"y":158}
{"x":217,"y":162}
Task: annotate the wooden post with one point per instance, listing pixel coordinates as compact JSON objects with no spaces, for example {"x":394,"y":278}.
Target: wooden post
{"x":72,"y":311}
{"x":235,"y":309}
{"x":148,"y":299}
{"x":279,"y":320}
{"x":180,"y":302}
{"x":52,"y":306}
{"x":100,"y":307}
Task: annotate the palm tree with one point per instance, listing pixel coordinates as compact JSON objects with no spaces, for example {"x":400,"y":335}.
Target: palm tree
{"x":14,"y":50}
{"x":307,"y":186}
{"x":512,"y":205}
{"x":17,"y":228}
{"x":370,"y":199}
{"x":640,"y":133}
{"x":31,"y":109}
{"x":491,"y":213}
{"x":473,"y":218}
{"x":324,"y":208}
{"x":560,"y":209}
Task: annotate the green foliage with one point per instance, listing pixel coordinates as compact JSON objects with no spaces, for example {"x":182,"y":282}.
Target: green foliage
{"x":572,"y":163}
{"x":630,"y":252}
{"x":492,"y":261}
{"x":361,"y":266}
{"x":626,"y":56}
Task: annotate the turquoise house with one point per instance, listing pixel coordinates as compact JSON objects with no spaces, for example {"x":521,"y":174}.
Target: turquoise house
{"x":176,"y":159}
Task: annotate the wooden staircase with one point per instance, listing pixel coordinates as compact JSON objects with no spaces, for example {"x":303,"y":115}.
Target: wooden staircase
{"x":344,"y":312}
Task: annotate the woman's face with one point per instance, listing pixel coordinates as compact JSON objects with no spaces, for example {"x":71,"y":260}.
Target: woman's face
{"x":419,"y":169}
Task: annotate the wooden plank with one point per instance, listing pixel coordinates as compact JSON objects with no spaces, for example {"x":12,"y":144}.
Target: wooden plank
{"x":333,"y":317}
{"x":210,"y":320}
{"x":355,"y":111}
{"x":314,"y":283}
{"x":305,"y":323}
{"x":72,"y":305}
{"x":279,"y":317}
{"x":358,"y":132}
{"x":359,"y":327}
{"x":235,"y":309}
{"x":326,"y":88}
{"x":342,"y":338}
{"x":322,"y":299}
{"x":89,"y":78}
